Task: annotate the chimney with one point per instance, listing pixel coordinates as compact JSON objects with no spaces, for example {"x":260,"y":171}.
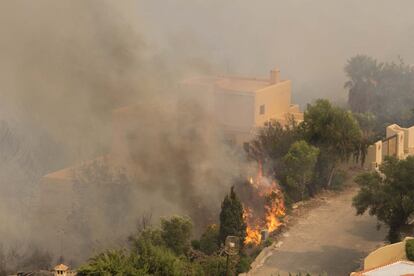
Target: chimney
{"x":274,"y":76}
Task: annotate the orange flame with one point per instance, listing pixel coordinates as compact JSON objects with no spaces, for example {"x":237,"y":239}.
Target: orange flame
{"x":252,"y":235}
{"x":274,"y":209}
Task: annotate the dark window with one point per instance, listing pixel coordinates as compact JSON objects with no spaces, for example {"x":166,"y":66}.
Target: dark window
{"x":262,"y":109}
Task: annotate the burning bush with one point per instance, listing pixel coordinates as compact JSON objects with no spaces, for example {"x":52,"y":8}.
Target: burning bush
{"x":264,"y":206}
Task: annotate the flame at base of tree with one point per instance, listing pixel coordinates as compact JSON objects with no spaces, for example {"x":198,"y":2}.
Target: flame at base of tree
{"x":253,"y":235}
{"x":264,"y":208}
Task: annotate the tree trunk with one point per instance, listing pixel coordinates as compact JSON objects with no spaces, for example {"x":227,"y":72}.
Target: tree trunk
{"x":394,"y":234}
{"x":331,"y":175}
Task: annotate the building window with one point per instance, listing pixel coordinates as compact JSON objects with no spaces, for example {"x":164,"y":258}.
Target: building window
{"x":262,"y":109}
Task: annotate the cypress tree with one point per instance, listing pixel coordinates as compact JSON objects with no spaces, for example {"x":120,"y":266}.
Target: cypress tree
{"x":231,"y":218}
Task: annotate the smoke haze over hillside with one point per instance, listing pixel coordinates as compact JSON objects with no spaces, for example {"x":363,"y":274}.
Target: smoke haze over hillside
{"x":65,"y":65}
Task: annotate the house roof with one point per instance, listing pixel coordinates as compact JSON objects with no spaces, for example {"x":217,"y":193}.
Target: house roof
{"x":66,"y":174}
{"x":231,"y":83}
{"x":242,"y":84}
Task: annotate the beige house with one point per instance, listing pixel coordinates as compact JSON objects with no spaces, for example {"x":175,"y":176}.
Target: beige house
{"x":399,"y":142}
{"x":241,"y":104}
{"x":389,"y":260}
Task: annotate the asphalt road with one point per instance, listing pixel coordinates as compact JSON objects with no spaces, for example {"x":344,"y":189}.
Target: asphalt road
{"x":327,"y":240}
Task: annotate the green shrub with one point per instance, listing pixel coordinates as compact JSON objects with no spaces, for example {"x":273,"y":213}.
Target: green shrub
{"x":244,"y":264}
{"x":209,"y":241}
{"x":112,"y":262}
{"x":195,"y":244}
{"x":214,"y":266}
{"x":409,"y":249}
{"x":159,"y":260}
{"x":299,"y":165}
{"x":176,"y":233}
{"x":192,"y":268}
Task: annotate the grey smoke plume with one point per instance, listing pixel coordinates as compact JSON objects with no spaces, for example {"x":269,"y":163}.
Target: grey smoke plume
{"x":65,"y":65}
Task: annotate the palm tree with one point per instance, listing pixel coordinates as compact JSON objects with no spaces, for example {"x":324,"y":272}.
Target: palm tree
{"x":362,"y":72}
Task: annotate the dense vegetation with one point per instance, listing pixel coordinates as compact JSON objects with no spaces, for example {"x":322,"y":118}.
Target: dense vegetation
{"x":305,"y":157}
{"x":300,"y":164}
{"x":388,"y":194}
{"x":168,"y":250}
{"x":382,"y":89}
{"x":380,"y":94}
{"x":153,"y":251}
{"x":409,"y":249}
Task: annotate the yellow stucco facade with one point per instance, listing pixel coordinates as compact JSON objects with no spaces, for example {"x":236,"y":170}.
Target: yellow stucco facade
{"x":275,"y":100}
{"x":242,"y":104}
{"x":399,"y":142}
{"x":385,"y":255}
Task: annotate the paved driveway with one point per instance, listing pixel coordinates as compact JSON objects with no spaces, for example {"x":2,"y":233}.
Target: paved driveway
{"x":328,"y":240}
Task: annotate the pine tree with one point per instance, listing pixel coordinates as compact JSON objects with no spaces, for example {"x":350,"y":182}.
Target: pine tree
{"x":231,"y":218}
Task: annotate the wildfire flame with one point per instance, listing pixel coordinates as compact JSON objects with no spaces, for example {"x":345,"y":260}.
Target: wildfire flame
{"x":274,"y":209}
{"x":253,"y":235}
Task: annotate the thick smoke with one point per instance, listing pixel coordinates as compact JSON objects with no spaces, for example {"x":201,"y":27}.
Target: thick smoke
{"x":66,"y":66}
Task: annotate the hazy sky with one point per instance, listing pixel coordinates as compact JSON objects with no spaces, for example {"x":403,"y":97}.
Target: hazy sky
{"x":309,"y":40}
